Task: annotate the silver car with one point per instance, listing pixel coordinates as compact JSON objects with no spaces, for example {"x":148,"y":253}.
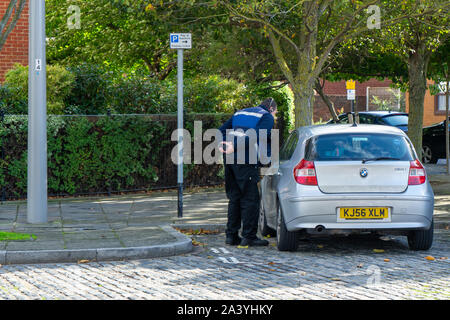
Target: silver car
{"x":335,"y":179}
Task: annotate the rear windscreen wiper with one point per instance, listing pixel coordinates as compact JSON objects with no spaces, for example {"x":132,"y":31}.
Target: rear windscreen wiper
{"x":379,"y":158}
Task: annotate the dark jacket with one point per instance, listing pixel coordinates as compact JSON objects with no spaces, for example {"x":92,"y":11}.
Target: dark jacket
{"x":250,"y":118}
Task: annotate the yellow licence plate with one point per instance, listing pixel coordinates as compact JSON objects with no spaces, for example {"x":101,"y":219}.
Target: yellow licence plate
{"x":364,"y":213}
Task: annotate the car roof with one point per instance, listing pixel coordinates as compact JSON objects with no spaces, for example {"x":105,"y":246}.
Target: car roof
{"x":383,"y":113}
{"x":348,"y":129}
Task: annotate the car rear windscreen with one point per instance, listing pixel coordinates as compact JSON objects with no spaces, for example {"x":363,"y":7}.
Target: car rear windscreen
{"x":396,"y":120}
{"x":348,"y":147}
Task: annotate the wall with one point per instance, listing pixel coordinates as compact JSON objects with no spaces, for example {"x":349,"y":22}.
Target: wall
{"x":429,"y":114}
{"x":15,"y":50}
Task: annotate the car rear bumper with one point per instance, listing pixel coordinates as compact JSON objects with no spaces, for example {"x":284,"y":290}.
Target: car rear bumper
{"x":406,"y":212}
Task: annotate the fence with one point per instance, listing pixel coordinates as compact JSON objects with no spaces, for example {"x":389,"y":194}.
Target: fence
{"x":103,"y":154}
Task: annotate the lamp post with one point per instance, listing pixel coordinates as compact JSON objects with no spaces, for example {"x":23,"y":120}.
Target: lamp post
{"x":37,"y":116}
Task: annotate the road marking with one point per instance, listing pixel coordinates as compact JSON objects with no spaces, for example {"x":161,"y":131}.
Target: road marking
{"x":225,"y":251}
{"x":232,"y":260}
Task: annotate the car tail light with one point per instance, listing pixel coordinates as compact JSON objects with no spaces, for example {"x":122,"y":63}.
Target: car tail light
{"x":417,"y":173}
{"x":305,"y":173}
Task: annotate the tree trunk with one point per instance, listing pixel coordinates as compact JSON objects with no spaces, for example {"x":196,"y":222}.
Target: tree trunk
{"x":303,"y":102}
{"x":417,"y":70}
{"x":327,"y":101}
{"x":446,"y":127}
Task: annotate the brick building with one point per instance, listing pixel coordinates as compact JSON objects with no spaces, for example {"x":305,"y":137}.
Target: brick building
{"x":337,"y":93}
{"x":15,"y":49}
{"x":434,"y":106}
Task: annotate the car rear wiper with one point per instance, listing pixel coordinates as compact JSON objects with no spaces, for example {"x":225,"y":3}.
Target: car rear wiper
{"x":379,"y":158}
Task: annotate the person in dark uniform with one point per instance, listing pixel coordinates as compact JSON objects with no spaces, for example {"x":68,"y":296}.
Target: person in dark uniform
{"x":242,"y":174}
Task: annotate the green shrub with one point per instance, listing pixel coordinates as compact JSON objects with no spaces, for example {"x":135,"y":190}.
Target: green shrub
{"x":101,"y":154}
{"x":10,"y":103}
{"x":136,"y":94}
{"x":90,"y":90}
{"x":59,"y":85}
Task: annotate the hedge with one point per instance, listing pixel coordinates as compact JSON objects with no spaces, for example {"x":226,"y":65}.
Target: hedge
{"x":102,"y":154}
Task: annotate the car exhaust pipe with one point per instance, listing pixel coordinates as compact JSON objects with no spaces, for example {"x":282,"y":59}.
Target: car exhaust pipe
{"x":319,"y":228}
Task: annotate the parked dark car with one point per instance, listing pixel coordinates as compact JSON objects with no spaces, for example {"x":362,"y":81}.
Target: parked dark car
{"x":387,"y":118}
{"x":433,"y":142}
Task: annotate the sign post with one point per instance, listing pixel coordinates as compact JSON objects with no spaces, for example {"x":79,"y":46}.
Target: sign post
{"x":351,"y":93}
{"x":37,"y":116}
{"x":180,"y":41}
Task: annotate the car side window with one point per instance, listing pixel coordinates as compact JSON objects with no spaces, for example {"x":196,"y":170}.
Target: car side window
{"x":366,"y":119}
{"x":344,"y":119}
{"x":289,"y":146}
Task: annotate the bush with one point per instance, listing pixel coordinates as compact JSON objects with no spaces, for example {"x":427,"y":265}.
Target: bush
{"x":102,"y":154}
{"x":10,"y":102}
{"x":59,"y":85}
{"x":89,"y":94}
{"x":211,"y":94}
{"x":135,"y":94}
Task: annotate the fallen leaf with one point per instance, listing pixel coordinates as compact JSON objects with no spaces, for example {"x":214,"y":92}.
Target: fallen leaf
{"x":441,"y":258}
{"x":271,"y":269}
{"x":273,"y":244}
{"x":83,"y":261}
{"x":430,"y":258}
{"x":336,"y":279}
{"x":320,"y":246}
{"x":242,"y":247}
{"x":386,"y":260}
{"x":378,"y":250}
{"x":197,"y":243}
{"x":210,"y":257}
{"x":267,"y":237}
{"x":271,"y":263}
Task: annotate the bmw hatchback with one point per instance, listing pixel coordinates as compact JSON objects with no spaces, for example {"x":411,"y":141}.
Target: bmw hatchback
{"x":342,"y":179}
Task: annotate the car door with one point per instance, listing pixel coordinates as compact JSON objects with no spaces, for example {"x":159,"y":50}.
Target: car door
{"x":270,"y":181}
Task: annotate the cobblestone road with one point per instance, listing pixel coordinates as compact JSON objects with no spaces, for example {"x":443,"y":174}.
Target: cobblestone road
{"x":325,"y":268}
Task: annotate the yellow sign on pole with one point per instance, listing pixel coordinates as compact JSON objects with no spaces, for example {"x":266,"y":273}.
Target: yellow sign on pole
{"x":350,"y":84}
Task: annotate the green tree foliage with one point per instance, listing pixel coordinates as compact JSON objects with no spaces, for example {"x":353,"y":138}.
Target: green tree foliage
{"x":122,"y":34}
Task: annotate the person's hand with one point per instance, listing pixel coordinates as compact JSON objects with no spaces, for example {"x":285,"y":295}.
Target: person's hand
{"x":228,"y":147}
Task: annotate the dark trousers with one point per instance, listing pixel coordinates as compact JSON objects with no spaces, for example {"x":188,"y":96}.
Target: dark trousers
{"x":241,"y":185}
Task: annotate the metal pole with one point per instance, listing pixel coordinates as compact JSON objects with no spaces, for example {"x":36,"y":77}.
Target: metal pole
{"x":180,"y":130}
{"x":37,"y":116}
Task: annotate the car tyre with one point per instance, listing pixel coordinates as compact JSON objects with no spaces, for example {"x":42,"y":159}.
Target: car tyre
{"x":427,"y":155}
{"x":264,"y":229}
{"x":286,"y":240}
{"x":421,"y":239}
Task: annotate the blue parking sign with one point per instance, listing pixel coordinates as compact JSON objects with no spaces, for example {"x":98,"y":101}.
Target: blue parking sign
{"x":180,"y":41}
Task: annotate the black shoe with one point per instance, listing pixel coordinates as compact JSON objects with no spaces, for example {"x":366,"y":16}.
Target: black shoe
{"x":233,"y":241}
{"x":254,"y":242}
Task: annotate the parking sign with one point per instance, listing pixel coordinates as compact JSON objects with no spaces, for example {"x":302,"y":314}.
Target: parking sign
{"x":180,"y":41}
